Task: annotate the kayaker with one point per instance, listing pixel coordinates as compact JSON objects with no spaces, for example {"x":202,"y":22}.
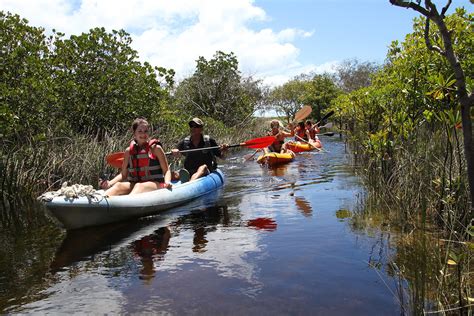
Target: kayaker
{"x":201,"y":162}
{"x":278,"y":145}
{"x":312,"y":128}
{"x":301,"y":133}
{"x":144,"y":167}
{"x":312,"y":131}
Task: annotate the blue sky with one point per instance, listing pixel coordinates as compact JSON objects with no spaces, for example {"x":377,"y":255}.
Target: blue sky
{"x":274,"y":40}
{"x":345,"y":28}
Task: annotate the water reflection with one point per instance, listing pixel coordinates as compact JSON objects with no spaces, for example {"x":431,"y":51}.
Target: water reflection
{"x":202,"y":223}
{"x":263,"y":223}
{"x":150,"y":249}
{"x":303,"y":205}
{"x":84,"y":244}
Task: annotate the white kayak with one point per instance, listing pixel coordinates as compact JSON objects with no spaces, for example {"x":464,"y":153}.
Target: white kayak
{"x":84,"y":211}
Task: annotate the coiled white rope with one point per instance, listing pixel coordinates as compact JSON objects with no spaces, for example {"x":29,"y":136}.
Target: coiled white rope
{"x":73,"y":192}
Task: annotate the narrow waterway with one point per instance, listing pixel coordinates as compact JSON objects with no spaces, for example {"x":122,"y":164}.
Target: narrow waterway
{"x":271,"y":242}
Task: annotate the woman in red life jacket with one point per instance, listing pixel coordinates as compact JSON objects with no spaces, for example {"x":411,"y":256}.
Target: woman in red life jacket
{"x":278,"y":145}
{"x":301,"y":133}
{"x":311,"y":126}
{"x":145,"y":167}
{"x":313,"y":130}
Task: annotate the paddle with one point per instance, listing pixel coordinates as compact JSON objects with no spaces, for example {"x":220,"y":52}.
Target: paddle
{"x":327,"y":125}
{"x":116,"y":159}
{"x":303,"y":113}
{"x":325,"y":117}
{"x":250,"y":156}
{"x":326,"y":134}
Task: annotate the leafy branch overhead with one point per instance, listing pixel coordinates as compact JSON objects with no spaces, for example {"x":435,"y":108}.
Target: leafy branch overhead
{"x":446,"y":49}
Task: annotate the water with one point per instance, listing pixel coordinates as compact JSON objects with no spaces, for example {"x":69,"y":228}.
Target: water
{"x":271,"y":242}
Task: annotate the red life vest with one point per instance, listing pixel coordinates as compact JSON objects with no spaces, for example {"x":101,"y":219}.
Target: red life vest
{"x":301,"y":132}
{"x":143,"y":165}
{"x":312,"y":133}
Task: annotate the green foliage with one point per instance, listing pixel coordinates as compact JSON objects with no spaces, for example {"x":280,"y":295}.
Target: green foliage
{"x":217,"y":90}
{"x":318,"y":91}
{"x":287,"y":99}
{"x":352,"y":74}
{"x":101,"y":82}
{"x":26,"y":84}
{"x":412,"y":88}
{"x":88,"y":83}
{"x":412,"y":100}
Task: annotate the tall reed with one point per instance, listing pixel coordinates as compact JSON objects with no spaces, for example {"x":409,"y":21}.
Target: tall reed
{"x":422,"y":190}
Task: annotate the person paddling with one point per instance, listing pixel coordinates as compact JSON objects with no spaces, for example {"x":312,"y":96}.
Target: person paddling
{"x":278,"y":145}
{"x":144,"y":167}
{"x":312,"y":131}
{"x":201,"y":162}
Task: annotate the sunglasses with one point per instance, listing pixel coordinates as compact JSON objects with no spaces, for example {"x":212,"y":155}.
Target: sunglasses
{"x":194,"y":125}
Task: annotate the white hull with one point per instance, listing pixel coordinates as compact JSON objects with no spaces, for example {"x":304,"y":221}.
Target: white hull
{"x":83,"y":212}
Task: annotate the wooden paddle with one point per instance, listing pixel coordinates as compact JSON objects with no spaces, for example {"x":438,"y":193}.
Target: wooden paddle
{"x":116,"y":159}
{"x":303,"y":113}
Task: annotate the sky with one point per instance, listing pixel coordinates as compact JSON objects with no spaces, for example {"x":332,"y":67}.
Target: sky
{"x":274,"y":40}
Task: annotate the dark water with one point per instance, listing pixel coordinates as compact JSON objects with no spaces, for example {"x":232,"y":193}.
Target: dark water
{"x":271,"y":242}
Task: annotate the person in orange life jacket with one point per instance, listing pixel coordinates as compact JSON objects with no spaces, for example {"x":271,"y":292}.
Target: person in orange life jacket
{"x":312,"y":131}
{"x":201,"y":162}
{"x":278,"y":145}
{"x":314,"y":127}
{"x":301,"y":132}
{"x":145,"y":167}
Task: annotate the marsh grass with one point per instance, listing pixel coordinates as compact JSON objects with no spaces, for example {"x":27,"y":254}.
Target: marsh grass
{"x":38,"y":166}
{"x":421,"y":192}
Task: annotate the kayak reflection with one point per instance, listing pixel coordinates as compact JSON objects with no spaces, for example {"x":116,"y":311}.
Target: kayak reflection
{"x":83,"y":244}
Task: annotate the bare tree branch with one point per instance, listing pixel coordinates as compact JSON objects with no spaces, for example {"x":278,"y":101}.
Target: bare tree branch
{"x":410,"y":5}
{"x":428,"y":41}
{"x":445,"y":9}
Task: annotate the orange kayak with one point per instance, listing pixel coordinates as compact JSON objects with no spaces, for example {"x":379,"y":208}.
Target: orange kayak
{"x":272,"y":159}
{"x":298,"y":147}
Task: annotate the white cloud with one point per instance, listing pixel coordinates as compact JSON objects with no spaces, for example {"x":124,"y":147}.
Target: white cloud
{"x":276,"y":79}
{"x":173,"y":34}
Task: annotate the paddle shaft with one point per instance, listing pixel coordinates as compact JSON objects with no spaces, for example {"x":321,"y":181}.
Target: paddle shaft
{"x":326,"y":134}
{"x":325,"y":117}
{"x":249,"y":156}
{"x":205,"y":148}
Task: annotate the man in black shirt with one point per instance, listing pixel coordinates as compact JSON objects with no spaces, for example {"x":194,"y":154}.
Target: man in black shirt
{"x":200,"y":162}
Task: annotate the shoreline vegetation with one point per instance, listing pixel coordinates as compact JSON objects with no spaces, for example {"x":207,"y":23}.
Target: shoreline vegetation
{"x":67,"y":103}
